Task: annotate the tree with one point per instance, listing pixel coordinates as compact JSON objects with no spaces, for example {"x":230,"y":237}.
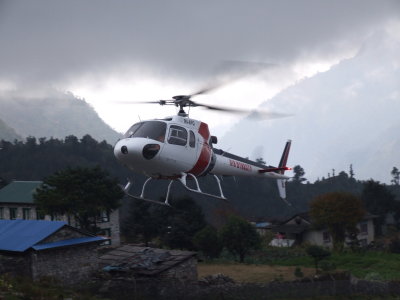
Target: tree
{"x":180,"y":223}
{"x":239,"y":237}
{"x":142,"y":224}
{"x":351,"y":171}
{"x":339,"y":212}
{"x":208,"y":241}
{"x":298,"y":174}
{"x":396,"y":176}
{"x":260,"y":160}
{"x":378,"y":200}
{"x":83,"y":193}
{"x":317,"y":253}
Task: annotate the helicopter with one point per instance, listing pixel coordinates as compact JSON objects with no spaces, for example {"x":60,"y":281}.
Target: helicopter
{"x":181,"y":149}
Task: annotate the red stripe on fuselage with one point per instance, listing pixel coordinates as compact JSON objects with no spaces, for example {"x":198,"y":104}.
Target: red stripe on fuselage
{"x":205,"y":155}
{"x":204,"y":132}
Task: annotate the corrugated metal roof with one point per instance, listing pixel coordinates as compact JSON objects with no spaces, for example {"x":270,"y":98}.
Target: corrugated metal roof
{"x":19,"y":192}
{"x":69,"y":242}
{"x":20,"y":235}
{"x":263,"y":224}
{"x":143,"y":260}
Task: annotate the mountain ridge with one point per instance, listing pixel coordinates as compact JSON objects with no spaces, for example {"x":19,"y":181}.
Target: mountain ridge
{"x":346,"y":115}
{"x":54,"y":114}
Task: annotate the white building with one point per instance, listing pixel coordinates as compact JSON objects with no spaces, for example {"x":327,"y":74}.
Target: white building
{"x":299,"y":229}
{"x":16,"y":202}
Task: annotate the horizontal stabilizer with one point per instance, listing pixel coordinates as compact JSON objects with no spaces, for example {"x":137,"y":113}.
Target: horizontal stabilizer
{"x":274,"y":170}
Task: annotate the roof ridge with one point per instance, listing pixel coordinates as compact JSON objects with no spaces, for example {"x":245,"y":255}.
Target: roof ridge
{"x":27,"y":181}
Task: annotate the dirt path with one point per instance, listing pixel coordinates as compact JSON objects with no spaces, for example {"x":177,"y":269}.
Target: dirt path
{"x":252,"y":273}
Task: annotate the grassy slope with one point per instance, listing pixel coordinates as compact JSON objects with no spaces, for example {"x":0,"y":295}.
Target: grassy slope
{"x":252,"y":273}
{"x":270,"y":263}
{"x":387,"y":265}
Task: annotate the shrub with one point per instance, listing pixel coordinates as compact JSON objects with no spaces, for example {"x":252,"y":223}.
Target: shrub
{"x":327,"y":266}
{"x":298,"y":273}
{"x":208,"y":241}
{"x":240,"y":237}
{"x":373,"y":276}
{"x":317,"y":253}
{"x":394,"y":246}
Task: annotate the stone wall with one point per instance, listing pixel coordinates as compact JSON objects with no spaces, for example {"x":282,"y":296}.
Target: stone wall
{"x":68,"y":265}
{"x":306,"y":288}
{"x":15,"y":264}
{"x":185,"y":271}
{"x":222,"y":287}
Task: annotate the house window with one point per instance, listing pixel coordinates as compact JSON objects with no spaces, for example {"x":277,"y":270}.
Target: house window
{"x":103,"y":217}
{"x":26,"y":213}
{"x":1,"y":213}
{"x":364,"y":227}
{"x":13,"y":213}
{"x":105,"y":232}
{"x":326,"y":237}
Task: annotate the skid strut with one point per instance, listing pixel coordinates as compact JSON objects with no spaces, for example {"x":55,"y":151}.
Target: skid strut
{"x":183,"y":181}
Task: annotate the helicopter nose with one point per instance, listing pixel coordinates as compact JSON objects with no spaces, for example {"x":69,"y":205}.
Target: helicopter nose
{"x":135,"y":152}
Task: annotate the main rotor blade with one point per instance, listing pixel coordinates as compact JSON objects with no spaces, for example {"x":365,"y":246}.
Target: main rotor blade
{"x":256,"y":114}
{"x":161,"y":102}
{"x":232,"y":70}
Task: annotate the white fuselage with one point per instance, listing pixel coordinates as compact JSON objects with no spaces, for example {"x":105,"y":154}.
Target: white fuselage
{"x":169,"y":147}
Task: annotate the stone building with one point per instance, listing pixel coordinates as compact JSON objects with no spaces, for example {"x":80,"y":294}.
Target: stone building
{"x":16,"y":202}
{"x":152,"y":262}
{"x":38,"y":248}
{"x":151,"y":273}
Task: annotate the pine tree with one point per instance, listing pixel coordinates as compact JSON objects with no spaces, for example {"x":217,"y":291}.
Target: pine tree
{"x":351,"y":172}
{"x":396,"y":176}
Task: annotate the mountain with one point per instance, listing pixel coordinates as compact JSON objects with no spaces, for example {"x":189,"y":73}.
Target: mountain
{"x":7,"y":133}
{"x":54,"y":114}
{"x":347,"y":115}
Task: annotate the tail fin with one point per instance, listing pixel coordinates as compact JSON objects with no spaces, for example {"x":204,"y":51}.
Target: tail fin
{"x":281,"y":170}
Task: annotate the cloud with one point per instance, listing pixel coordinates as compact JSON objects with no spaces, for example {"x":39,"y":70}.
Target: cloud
{"x":54,"y":42}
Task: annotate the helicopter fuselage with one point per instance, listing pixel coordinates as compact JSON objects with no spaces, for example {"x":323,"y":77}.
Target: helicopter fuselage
{"x":167,"y":148}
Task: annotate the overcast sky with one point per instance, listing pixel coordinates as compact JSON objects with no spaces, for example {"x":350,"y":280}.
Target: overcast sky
{"x":128,"y":50}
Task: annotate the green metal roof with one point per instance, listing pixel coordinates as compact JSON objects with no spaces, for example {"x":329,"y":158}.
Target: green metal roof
{"x":19,"y":192}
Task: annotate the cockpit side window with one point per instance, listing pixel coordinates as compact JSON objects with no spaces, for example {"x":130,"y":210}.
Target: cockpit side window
{"x":177,"y":135}
{"x":192,"y":139}
{"x":150,"y":129}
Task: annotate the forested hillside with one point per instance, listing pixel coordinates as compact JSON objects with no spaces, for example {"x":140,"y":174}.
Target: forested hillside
{"x":254,"y":198}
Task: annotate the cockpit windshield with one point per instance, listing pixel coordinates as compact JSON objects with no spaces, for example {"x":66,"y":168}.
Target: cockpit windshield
{"x":150,"y":129}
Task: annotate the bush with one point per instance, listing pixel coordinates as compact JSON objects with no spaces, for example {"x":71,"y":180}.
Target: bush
{"x":240,"y":237}
{"x":317,"y":253}
{"x":208,"y":241}
{"x":373,"y":276}
{"x":298,"y":273}
{"x":327,"y":266}
{"x":394,"y":246}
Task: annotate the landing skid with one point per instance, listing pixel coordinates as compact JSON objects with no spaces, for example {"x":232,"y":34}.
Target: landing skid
{"x":183,"y":181}
{"x":128,"y":186}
